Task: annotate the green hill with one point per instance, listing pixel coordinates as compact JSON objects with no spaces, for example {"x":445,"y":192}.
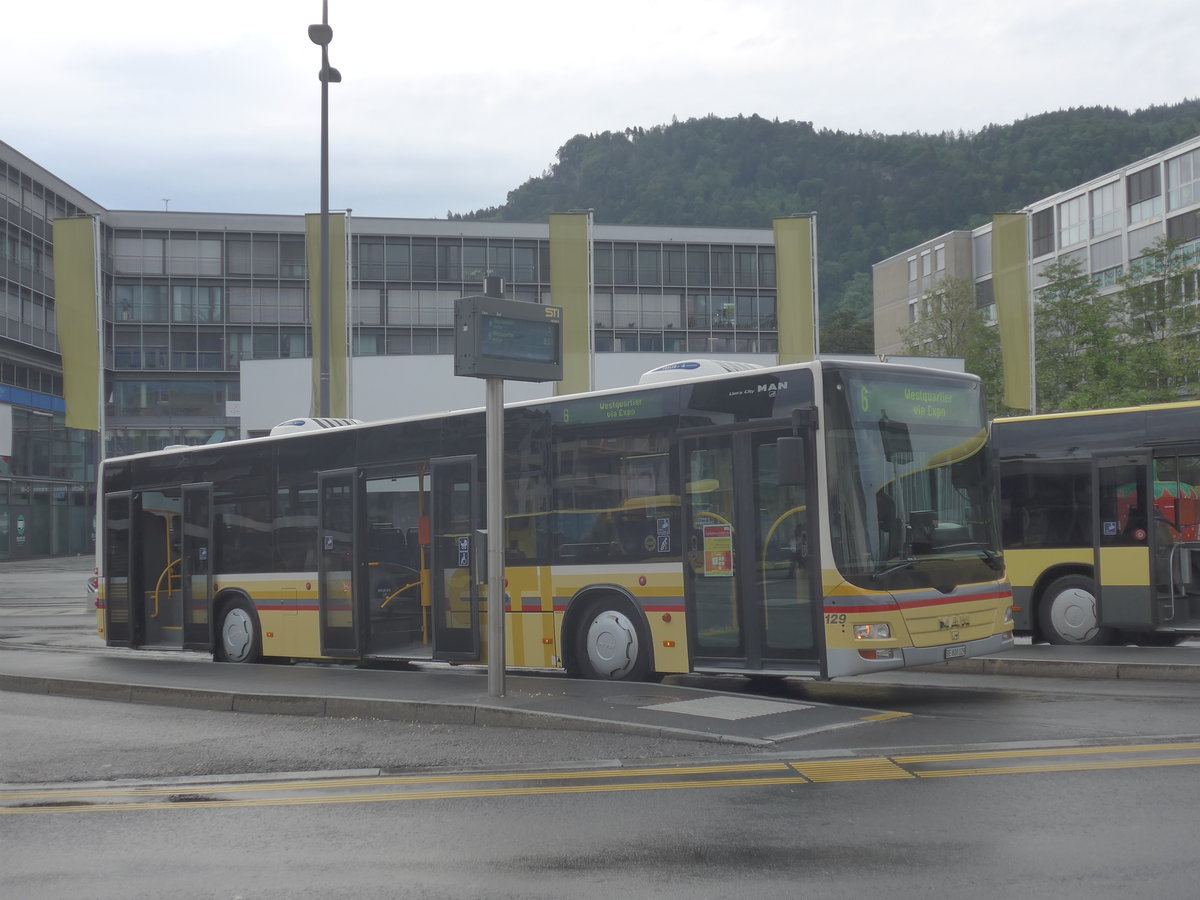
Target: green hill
{"x":874,"y":194}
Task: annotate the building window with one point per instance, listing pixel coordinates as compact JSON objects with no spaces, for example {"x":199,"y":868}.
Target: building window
{"x":138,"y":256}
{"x":624,"y":265}
{"x":192,"y":303}
{"x":192,"y":256}
{"x":746,"y":268}
{"x":1107,"y":278}
{"x":912,"y":268}
{"x":140,"y":303}
{"x":256,"y":257}
{"x":1106,"y":209}
{"x":1183,"y":180}
{"x":1072,"y":221}
{"x":449,"y":262}
{"x":1143,"y":193}
{"x":366,"y":307}
{"x":1184,"y":227}
{"x":939,"y":258}
{"x":926,"y":263}
{"x":674,"y":272}
{"x":525,"y":264}
{"x":649,"y":271}
{"x":1043,"y":232}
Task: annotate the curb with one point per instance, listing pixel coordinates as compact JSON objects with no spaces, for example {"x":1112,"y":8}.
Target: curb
{"x":414,"y":711}
{"x":1068,"y":668}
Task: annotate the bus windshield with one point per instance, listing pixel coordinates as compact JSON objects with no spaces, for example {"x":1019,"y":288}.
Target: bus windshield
{"x":911,"y":485}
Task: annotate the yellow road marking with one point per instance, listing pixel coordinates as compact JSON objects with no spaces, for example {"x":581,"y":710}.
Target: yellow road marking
{"x":1063,"y":767}
{"x":384,"y":780}
{"x":1047,"y":751}
{"x":559,"y":783}
{"x":885,"y":717}
{"x":417,"y":795}
{"x":851,"y":770}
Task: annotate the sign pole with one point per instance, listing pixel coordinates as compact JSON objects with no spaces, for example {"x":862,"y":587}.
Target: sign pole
{"x":495,"y":339}
{"x":494,"y":420}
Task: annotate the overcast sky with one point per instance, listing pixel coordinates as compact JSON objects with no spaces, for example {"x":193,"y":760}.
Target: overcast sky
{"x":215,"y":105}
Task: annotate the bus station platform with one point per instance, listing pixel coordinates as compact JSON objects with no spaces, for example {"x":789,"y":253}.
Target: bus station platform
{"x":430,"y":693}
{"x":439,"y":693}
{"x":1179,"y":663}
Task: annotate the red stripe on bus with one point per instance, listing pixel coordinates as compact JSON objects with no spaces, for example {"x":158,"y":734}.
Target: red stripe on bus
{"x":918,"y":604}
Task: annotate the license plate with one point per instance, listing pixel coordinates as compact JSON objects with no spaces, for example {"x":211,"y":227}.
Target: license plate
{"x":956,"y":652}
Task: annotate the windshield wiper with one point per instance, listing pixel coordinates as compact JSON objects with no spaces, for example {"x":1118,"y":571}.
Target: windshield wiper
{"x":897,"y":567}
{"x":989,"y":556}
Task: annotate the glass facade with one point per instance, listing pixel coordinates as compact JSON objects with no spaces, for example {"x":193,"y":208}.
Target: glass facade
{"x":47,"y":471}
{"x":187,"y":297}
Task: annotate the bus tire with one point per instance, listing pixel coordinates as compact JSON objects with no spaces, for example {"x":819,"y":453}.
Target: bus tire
{"x":240,"y":638}
{"x":611,"y":643}
{"x":1068,"y":614}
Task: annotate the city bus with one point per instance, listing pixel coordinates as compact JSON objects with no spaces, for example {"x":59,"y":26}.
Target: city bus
{"x":1101,"y":521}
{"x":820,"y":519}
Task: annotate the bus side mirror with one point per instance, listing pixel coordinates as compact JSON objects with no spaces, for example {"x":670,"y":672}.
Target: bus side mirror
{"x":790,"y":460}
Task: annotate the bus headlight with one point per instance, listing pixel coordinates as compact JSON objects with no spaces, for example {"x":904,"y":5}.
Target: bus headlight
{"x":1008,"y":616}
{"x":877,"y":632}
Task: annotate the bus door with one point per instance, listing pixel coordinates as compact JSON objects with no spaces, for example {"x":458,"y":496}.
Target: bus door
{"x":457,"y":554}
{"x":1177,"y":538}
{"x":121,"y":571}
{"x":196,"y":572}
{"x":337,"y":562}
{"x":157,"y":554}
{"x":752,"y":557}
{"x":1124,"y":539}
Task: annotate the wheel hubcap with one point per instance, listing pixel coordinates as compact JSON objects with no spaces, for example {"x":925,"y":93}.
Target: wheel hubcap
{"x":237,"y":635}
{"x":612,"y":644}
{"x":1073,"y":615}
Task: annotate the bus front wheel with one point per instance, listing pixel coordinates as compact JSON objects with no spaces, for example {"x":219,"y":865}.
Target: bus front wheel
{"x":610,"y":644}
{"x":1068,"y":612}
{"x":239,"y":640}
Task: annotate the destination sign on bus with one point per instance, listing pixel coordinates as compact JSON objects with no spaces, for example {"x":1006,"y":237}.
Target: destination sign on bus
{"x":914,"y":401}
{"x":612,"y":408}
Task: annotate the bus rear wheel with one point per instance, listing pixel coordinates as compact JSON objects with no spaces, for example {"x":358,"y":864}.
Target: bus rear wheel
{"x":610,"y":644}
{"x":1068,"y":612}
{"x":239,"y":640}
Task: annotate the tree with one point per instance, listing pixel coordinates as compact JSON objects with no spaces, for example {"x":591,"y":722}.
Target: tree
{"x":1159,"y":313}
{"x":949,"y":325}
{"x":1081,"y":360}
{"x":845,"y":332}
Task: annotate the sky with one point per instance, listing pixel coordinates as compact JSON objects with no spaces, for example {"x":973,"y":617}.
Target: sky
{"x":215,"y":105}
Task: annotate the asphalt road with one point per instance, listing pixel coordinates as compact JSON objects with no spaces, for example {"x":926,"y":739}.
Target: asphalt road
{"x":962,"y":785}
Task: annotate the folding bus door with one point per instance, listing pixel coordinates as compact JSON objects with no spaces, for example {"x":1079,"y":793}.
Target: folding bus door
{"x":456,"y":552}
{"x":752,"y":580}
{"x":338,"y":535}
{"x":196,"y":570}
{"x":121,"y":569}
{"x":1124,"y":539}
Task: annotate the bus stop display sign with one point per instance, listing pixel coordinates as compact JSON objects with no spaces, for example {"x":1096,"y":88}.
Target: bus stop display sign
{"x":511,"y":339}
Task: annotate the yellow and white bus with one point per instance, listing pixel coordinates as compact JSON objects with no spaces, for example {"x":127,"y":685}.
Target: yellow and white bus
{"x":822,"y":519}
{"x":1101,"y":523}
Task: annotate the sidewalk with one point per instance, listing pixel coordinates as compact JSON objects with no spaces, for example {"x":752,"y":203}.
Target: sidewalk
{"x":430,"y":694}
{"x":438,"y":693}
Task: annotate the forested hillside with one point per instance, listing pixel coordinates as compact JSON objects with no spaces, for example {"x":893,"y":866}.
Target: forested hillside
{"x":874,"y":194}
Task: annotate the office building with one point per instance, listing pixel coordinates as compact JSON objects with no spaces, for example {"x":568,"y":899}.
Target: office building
{"x":204,"y":328}
{"x":1105,"y":224}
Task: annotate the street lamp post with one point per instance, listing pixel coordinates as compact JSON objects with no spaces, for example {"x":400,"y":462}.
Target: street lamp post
{"x":321,"y":35}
